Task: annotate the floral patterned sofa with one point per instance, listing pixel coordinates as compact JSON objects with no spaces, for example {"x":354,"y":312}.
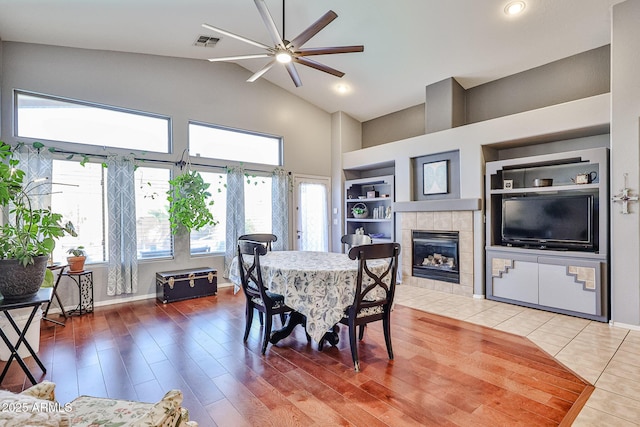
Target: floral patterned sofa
{"x":37,"y":406}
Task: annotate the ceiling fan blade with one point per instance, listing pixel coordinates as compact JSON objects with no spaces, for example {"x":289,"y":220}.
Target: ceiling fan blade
{"x":236,"y":58}
{"x":259,"y":73}
{"x":268,"y":21}
{"x":318,"y":66}
{"x":294,"y":74}
{"x":328,"y":50}
{"x":313,"y":29}
{"x":235,"y":36}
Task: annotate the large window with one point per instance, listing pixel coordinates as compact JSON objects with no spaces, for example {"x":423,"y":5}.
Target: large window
{"x":80,"y":196}
{"x":257,"y":205}
{"x":80,"y":191}
{"x":152,"y":219}
{"x":257,"y":211}
{"x":55,"y":119}
{"x":211,"y":239}
{"x":230,"y":144}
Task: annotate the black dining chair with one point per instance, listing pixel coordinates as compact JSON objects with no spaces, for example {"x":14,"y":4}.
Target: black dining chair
{"x":264,"y":238}
{"x":258,"y":297}
{"x":352,"y":240}
{"x":367,"y":306}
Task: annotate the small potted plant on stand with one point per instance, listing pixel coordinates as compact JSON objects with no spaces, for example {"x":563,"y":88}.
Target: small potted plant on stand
{"x":77,"y":259}
{"x":27,"y":235}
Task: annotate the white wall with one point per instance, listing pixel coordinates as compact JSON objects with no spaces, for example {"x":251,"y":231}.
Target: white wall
{"x":182,"y":89}
{"x":346,"y":136}
{"x":625,"y":158}
{"x":555,"y":120}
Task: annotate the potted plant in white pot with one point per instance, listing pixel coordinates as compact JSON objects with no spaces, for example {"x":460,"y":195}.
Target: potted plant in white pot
{"x":27,"y":235}
{"x":77,"y":259}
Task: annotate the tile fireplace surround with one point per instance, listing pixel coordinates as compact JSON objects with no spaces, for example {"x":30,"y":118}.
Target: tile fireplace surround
{"x":461,"y":221}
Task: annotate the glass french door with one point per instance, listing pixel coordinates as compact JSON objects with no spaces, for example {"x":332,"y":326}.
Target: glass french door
{"x":312,"y":195}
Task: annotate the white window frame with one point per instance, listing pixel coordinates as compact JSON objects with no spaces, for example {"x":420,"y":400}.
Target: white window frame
{"x":16,"y":118}
{"x":238,"y":158}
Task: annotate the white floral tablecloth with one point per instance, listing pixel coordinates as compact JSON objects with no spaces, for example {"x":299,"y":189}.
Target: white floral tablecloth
{"x":319,"y":285}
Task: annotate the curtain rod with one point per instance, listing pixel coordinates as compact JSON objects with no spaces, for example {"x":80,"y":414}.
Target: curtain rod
{"x":166,"y":162}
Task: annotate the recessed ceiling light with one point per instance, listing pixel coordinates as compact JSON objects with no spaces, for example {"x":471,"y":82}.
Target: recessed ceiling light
{"x":342,"y":88}
{"x":514,"y":7}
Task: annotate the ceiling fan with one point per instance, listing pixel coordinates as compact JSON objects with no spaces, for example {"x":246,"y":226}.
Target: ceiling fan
{"x":285,"y":51}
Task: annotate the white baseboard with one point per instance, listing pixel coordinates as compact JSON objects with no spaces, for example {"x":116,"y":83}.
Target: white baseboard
{"x":624,"y":325}
{"x":124,"y":300}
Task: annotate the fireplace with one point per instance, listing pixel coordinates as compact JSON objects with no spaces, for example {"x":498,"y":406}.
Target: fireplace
{"x":435,"y":255}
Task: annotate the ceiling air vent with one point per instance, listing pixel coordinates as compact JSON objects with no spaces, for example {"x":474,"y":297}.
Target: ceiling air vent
{"x":206,"y":41}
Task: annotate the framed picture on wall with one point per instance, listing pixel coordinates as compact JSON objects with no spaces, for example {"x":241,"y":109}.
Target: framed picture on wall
{"x":436,"y":177}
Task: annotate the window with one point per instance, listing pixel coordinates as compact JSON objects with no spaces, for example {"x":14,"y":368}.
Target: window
{"x":78,"y":193}
{"x":229,"y":144}
{"x":212,"y":239}
{"x":45,"y":117}
{"x":257,"y":211}
{"x":152,"y":219}
{"x":257,"y":205}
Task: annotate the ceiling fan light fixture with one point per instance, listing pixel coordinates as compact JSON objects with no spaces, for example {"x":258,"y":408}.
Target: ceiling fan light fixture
{"x":287,"y":52}
{"x":514,"y":8}
{"x":283,"y":57}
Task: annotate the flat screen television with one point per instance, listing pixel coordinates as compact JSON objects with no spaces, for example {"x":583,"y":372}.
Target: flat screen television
{"x":558,"y":221}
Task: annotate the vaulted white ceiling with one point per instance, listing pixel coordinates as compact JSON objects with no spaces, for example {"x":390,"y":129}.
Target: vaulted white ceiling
{"x":409,"y":44}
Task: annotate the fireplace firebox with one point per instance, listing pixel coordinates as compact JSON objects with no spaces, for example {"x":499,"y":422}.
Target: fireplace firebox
{"x":435,"y":255}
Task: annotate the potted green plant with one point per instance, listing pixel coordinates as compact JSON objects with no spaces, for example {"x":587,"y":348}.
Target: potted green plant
{"x":189,"y":200}
{"x":27,"y":235}
{"x":77,"y":259}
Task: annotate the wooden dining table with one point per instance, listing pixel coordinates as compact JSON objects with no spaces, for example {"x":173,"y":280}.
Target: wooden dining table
{"x":317,"y":285}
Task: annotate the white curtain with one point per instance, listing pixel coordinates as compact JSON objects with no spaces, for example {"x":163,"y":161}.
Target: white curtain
{"x":280,"y":186}
{"x":235,"y":214}
{"x":314,"y":199}
{"x":123,"y":254}
{"x":38,"y":167}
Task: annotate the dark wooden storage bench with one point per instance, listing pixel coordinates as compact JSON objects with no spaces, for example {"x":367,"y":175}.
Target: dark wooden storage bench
{"x":186,"y":284}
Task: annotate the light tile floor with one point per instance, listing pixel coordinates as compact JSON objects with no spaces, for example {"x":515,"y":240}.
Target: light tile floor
{"x":606,"y":356}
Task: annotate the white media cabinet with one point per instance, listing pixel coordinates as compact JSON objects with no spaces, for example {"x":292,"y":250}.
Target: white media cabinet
{"x":567,"y":281}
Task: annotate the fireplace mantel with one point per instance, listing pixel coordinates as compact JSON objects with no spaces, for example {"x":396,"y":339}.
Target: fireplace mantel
{"x":439,"y":205}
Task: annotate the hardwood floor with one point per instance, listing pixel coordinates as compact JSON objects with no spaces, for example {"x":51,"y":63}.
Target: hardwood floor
{"x":445,"y":372}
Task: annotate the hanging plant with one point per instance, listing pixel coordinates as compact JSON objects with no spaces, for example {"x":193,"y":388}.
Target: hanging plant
{"x":189,"y":201}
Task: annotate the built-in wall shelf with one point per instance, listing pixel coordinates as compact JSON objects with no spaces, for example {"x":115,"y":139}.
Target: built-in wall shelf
{"x":537,"y":268}
{"x":549,"y":189}
{"x":380,"y":220}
